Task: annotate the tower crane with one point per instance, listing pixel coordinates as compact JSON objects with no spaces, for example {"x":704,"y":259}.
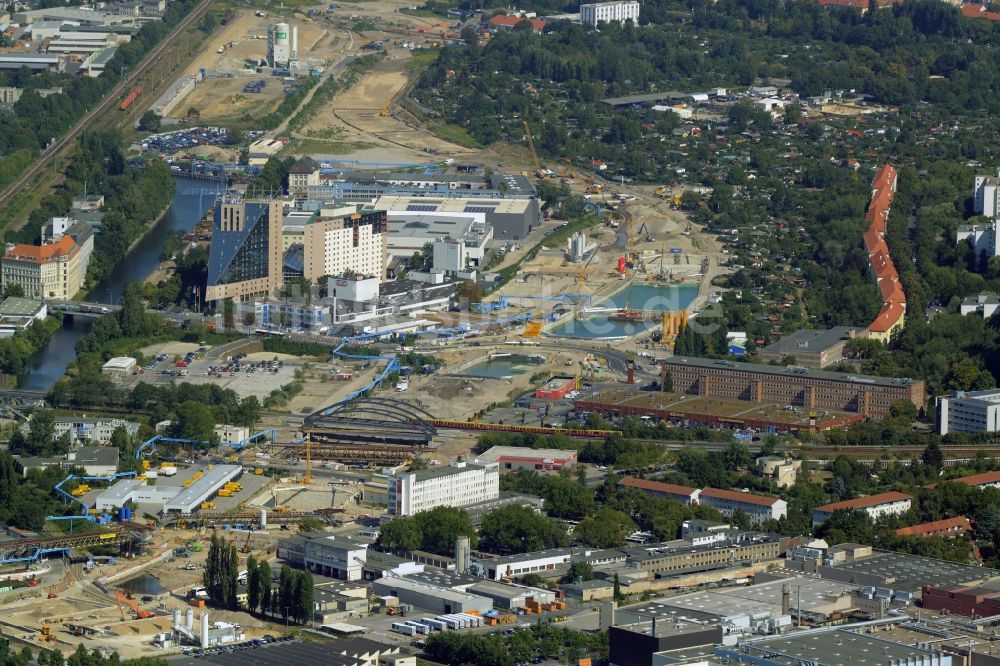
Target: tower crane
{"x":531,"y":146}
{"x":581,"y":277}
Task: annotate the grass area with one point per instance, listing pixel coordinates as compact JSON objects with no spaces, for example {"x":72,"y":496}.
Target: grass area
{"x":320,"y":147}
{"x":420,"y":59}
{"x":454,"y":134}
{"x":299,"y":4}
{"x":15,"y":214}
{"x":422,"y":13}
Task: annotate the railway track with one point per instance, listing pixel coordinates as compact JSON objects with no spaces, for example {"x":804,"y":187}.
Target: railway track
{"x":108,"y":102}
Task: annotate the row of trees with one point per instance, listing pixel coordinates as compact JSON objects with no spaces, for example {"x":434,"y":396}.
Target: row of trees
{"x":291,"y":599}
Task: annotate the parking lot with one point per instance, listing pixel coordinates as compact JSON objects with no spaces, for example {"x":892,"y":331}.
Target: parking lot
{"x":172,"y":142}
{"x":257,"y":374}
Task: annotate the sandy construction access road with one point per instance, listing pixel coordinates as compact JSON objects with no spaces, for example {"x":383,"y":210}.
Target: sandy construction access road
{"x":355,"y":116}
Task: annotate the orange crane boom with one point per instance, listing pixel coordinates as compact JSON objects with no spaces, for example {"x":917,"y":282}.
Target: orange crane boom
{"x":139,"y":612}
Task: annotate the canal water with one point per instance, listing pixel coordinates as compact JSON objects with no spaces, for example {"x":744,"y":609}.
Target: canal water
{"x":192,"y":201}
{"x":647,"y":297}
{"x":502,"y":367}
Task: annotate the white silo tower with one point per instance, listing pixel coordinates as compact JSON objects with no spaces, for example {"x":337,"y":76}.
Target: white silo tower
{"x":278,"y":45}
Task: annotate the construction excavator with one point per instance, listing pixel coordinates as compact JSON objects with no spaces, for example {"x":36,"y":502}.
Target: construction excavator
{"x":140,"y":614}
{"x":246,"y":548}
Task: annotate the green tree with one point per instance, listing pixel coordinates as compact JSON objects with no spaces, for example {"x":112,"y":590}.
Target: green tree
{"x":400,"y":535}
{"x":310,"y":525}
{"x":286,"y":591}
{"x":231,"y":566}
{"x":132,"y":316}
{"x":933,"y":457}
{"x":149,"y":122}
{"x":565,"y":498}
{"x":741,"y":520}
{"x":40,"y":439}
{"x":605,"y":529}
{"x":519,"y":529}
{"x":578,"y":572}
{"x":195,"y":420}
{"x":253,"y":584}
{"x":302,"y":597}
{"x":264,"y":583}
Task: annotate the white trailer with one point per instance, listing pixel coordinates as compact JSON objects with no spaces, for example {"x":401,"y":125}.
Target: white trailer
{"x":403,"y":628}
{"x":419,"y":626}
{"x":450,"y":621}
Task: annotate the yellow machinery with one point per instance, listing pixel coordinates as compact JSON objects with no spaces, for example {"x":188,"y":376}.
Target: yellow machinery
{"x":187,"y":483}
{"x":533,"y":329}
{"x":672,"y":323}
{"x":581,"y":277}
{"x":225,"y":493}
{"x":384,"y":111}
{"x":531,"y":145}
{"x":594,"y":188}
{"x":145,"y":465}
{"x":246,"y":548}
{"x":660,"y":191}
{"x":258,"y":472}
{"x":80,"y":490}
{"x":207,"y":506}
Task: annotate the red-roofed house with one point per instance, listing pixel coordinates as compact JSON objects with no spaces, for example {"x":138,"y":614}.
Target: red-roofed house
{"x":502,"y":22}
{"x":976,"y":10}
{"x":889,"y":320}
{"x":956,"y":526}
{"x":984,"y":480}
{"x":758,"y":507}
{"x":892,"y":291}
{"x":658,"y":489}
{"x":882,"y":504}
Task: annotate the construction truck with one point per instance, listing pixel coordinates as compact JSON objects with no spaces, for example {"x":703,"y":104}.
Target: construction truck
{"x":594,"y":188}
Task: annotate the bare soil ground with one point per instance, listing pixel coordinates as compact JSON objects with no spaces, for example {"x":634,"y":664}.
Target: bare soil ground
{"x":354,"y":116}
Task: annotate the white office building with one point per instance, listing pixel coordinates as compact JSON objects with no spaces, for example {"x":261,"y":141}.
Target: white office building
{"x":969,"y":411}
{"x":982,"y":238}
{"x":336,"y":556}
{"x":985,"y":305}
{"x":884,"y":504}
{"x":758,"y":507}
{"x":987,"y":195}
{"x":93,"y":430}
{"x":609,"y":12}
{"x":458,"y":484}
